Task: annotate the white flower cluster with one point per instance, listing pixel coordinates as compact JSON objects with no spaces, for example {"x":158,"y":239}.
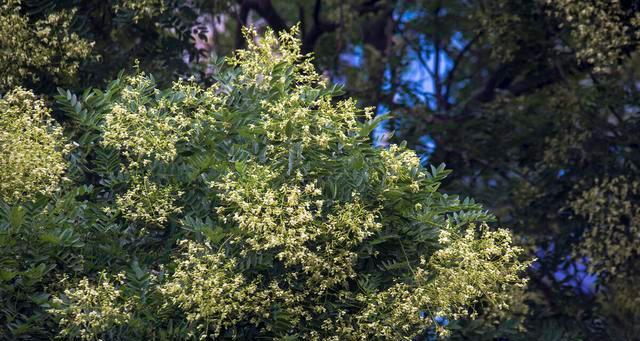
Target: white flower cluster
{"x":610,"y":208}
{"x":292,"y":220}
{"x":477,"y":265}
{"x":45,"y":45}
{"x":598,"y":29}
{"x":144,"y":131}
{"x":32,"y":148}
{"x":94,"y":307}
{"x":400,"y":166}
{"x":207,"y":286}
{"x":148,"y":202}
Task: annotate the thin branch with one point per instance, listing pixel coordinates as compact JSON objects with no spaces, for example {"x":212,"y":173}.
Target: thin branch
{"x":456,"y":62}
{"x":319,"y":28}
{"x":437,"y":46}
{"x":303,"y":20}
{"x":241,"y":20}
{"x":609,"y":106}
{"x":265,"y":9}
{"x":418,"y":52}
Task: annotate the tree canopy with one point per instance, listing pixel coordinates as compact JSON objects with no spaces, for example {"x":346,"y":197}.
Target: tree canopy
{"x":144,"y":139}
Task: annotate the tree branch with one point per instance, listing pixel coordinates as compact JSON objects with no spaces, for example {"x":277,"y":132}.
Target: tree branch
{"x":241,"y":20}
{"x":265,"y":9}
{"x":319,"y":28}
{"x":456,"y":62}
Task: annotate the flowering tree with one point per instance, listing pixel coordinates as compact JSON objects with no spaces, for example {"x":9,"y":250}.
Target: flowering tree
{"x":256,"y":207}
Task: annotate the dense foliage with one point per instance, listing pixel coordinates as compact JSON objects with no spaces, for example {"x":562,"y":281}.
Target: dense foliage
{"x":533,"y":103}
{"x":255,"y":207}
